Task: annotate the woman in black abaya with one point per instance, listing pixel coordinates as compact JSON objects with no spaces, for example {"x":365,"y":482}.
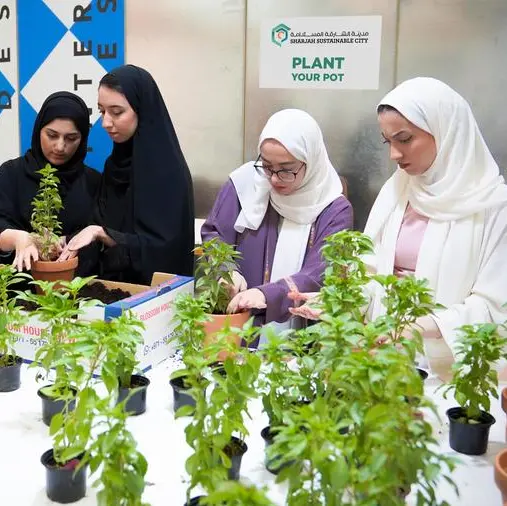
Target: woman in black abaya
{"x":144,"y":218}
{"x":59,"y":137}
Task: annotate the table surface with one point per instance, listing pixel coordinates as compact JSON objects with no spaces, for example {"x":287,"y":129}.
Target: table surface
{"x":24,"y":437}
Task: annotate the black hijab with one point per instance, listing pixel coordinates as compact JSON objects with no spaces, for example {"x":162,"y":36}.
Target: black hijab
{"x":60,"y":105}
{"x":151,"y":172}
{"x":19,"y":181}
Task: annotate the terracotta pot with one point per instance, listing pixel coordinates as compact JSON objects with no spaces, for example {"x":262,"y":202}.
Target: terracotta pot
{"x":504,"y":407}
{"x":54,"y":271}
{"x":218,"y":322}
{"x":501,"y":474}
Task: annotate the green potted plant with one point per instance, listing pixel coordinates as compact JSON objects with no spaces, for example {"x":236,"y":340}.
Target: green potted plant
{"x":474,"y":380}
{"x":392,"y":448}
{"x":282,"y":386}
{"x":214,"y":270}
{"x":189,"y":316}
{"x":95,"y":433}
{"x":113,"y":449}
{"x":58,"y":306}
{"x":384,"y":451}
{"x":358,"y":441}
{"x":11,"y":317}
{"x":232,"y":393}
{"x":67,"y":460}
{"x":131,"y":387}
{"x":46,"y":228}
{"x":217,"y":431}
{"x":123,"y":466}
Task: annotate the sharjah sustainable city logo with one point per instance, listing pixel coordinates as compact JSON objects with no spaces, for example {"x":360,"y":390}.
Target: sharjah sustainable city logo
{"x":280,"y":34}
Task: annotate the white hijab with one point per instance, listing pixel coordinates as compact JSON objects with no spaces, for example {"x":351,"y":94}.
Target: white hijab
{"x":463,"y":182}
{"x":301,"y":136}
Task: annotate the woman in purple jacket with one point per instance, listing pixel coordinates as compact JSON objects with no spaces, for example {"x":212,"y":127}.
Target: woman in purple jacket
{"x":277,"y":211}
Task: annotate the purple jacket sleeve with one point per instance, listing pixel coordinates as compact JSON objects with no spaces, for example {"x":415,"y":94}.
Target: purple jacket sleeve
{"x":221,"y":219}
{"x":337,"y":216}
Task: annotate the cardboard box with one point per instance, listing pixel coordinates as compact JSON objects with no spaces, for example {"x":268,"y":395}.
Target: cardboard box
{"x":152,"y":305}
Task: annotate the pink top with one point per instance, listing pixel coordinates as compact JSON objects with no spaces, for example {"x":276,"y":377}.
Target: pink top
{"x":409,"y":241}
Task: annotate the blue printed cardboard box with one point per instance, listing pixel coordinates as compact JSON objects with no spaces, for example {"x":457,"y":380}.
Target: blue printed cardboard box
{"x":151,"y":304}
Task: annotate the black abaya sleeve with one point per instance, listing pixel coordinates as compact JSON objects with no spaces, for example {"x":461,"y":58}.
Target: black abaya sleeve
{"x":15,"y":200}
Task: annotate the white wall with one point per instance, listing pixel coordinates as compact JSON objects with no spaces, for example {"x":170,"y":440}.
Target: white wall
{"x":195,"y":51}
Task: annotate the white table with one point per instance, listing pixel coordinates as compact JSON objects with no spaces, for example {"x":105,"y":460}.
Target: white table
{"x":24,"y":437}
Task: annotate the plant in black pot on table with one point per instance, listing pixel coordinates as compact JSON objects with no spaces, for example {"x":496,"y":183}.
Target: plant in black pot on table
{"x":385,"y":450}
{"x":113,"y":449}
{"x":190,"y":316}
{"x":217,"y":431}
{"x":283,"y":386}
{"x":390,"y":449}
{"x":46,"y":227}
{"x":474,"y":381}
{"x":58,"y":306}
{"x":11,"y":317}
{"x":102,"y":421}
{"x":131,"y":387}
{"x":66,"y":461}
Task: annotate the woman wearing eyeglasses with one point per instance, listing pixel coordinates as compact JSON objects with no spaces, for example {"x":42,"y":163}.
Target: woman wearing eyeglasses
{"x":278,"y":211}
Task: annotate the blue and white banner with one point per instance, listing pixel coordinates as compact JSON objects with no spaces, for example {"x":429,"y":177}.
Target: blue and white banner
{"x":9,"y":120}
{"x":66,"y":45}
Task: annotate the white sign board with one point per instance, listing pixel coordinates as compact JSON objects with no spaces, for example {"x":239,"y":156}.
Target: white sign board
{"x":341,"y":53}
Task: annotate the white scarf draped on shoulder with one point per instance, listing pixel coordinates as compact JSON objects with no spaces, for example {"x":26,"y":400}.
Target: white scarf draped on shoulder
{"x":464,"y":248}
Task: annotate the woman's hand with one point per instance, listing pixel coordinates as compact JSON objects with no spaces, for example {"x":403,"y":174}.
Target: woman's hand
{"x":249,"y":299}
{"x":84,"y":238}
{"x":26,"y":251}
{"x":307,"y":310}
{"x":239,"y":284}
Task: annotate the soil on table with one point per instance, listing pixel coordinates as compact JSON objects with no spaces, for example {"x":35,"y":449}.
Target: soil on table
{"x":95,"y":290}
{"x":99,"y":291}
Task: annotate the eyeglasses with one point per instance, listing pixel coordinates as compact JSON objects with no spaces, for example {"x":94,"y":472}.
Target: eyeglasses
{"x":285,"y":175}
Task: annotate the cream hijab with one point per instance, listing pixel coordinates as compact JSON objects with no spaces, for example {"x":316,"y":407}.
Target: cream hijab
{"x":300,"y":134}
{"x":463,"y":182}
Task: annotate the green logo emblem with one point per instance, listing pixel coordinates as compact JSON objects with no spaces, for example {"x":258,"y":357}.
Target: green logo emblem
{"x":280,"y":34}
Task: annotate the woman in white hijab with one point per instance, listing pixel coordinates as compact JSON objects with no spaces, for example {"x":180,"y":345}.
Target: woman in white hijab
{"x":277,"y":211}
{"x":442,"y":215}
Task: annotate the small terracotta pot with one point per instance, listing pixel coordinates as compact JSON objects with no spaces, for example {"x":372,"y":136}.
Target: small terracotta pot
{"x":54,"y":271}
{"x":501,"y":474}
{"x":219,"y":322}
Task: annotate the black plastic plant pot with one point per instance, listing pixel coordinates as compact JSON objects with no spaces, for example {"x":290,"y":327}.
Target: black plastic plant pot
{"x":218,"y":367}
{"x":422,"y":373}
{"x":235,"y":451}
{"x":52,"y":406}
{"x":10,"y":375}
{"x":180,"y":393}
{"x":195,"y":501}
{"x":63,"y":484}
{"x":271,"y":464}
{"x":136,"y":404}
{"x":469,"y":438}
